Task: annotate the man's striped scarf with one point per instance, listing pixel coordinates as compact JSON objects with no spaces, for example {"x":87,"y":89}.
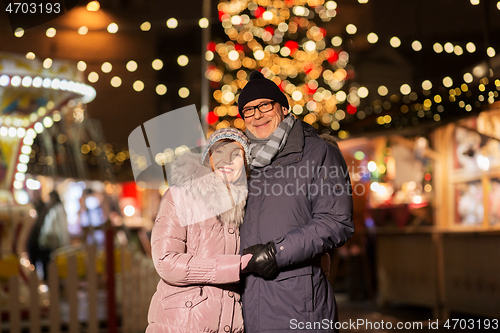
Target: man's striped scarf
{"x":262,"y":151}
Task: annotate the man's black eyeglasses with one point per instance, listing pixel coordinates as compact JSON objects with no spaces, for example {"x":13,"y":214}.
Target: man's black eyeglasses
{"x":262,"y":107}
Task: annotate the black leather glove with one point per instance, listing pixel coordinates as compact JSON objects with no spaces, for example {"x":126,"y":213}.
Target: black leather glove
{"x":263,"y":261}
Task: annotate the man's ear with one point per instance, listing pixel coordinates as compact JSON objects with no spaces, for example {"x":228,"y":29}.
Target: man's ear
{"x":285,"y":110}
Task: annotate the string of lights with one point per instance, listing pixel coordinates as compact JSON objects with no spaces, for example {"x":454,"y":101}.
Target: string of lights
{"x":230,"y":10}
{"x":283,"y":39}
{"x":268,"y":22}
{"x":439,"y":47}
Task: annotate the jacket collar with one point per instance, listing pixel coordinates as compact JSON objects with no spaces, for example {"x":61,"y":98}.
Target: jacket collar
{"x":294,"y":147}
{"x":295,"y":141}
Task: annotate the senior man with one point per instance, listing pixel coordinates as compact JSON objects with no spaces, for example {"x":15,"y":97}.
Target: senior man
{"x":299,"y":207}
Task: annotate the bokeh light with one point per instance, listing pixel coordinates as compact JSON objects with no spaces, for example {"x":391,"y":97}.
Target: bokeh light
{"x":395,"y":42}
{"x":203,"y":23}
{"x":106,"y":67}
{"x":427,"y":85}
{"x":51,"y":32}
{"x":351,"y":29}
{"x":372,"y":38}
{"x":145,"y":26}
{"x":416,"y":45}
{"x":438,"y":48}
{"x":382,"y":90}
{"x":138,"y":86}
{"x":448,"y":47}
{"x":93,"y":77}
{"x":83,"y":30}
{"x":447,"y":82}
{"x":363,"y":92}
{"x":19,"y":32}
{"x":458,"y":50}
{"x":172,"y":23}
{"x":116,"y":81}
{"x":157,"y":64}
{"x":405,"y":89}
{"x":336,"y":41}
{"x":47,"y":63}
{"x":161,"y":89}
{"x":112,"y":28}
{"x":81,"y":66}
{"x":184,"y":92}
{"x":93,"y":6}
{"x":131,"y":66}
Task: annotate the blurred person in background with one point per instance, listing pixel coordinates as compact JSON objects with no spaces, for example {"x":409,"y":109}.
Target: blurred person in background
{"x":91,"y":217}
{"x":41,"y":211}
{"x":54,"y":232}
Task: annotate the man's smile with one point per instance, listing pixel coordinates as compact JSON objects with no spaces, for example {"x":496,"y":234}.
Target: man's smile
{"x":261,"y":125}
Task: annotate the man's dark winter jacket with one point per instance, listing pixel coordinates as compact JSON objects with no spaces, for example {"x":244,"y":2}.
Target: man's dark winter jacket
{"x":303,"y":202}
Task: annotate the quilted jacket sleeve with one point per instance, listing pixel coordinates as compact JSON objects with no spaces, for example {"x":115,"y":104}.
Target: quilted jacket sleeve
{"x":331,"y":224}
{"x":173,"y":264}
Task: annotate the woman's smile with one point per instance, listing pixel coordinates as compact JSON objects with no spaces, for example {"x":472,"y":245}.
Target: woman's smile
{"x":225,"y":170}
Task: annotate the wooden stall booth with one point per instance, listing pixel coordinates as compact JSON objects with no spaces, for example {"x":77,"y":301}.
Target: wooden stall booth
{"x":453,"y":264}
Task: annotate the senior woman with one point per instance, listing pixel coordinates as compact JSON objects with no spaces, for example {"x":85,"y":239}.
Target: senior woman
{"x":195,"y":240}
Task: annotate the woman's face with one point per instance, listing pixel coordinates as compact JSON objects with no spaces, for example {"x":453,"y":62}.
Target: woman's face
{"x":227,"y":160}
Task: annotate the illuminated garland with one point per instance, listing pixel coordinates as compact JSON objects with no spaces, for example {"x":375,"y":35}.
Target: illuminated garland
{"x":303,"y":9}
{"x":414,"y":107}
{"x":261,"y":33}
{"x":263,"y":27}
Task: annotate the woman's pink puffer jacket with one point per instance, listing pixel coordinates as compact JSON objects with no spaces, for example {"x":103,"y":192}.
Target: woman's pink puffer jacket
{"x":195,"y":248}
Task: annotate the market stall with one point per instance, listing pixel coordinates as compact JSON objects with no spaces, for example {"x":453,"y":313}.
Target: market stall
{"x":469,"y":218}
{"x":437,"y":234}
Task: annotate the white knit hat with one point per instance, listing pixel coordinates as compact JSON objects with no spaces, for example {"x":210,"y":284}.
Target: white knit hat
{"x":231,"y":134}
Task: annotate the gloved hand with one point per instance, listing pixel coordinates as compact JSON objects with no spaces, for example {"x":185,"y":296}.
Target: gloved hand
{"x":263,"y":261}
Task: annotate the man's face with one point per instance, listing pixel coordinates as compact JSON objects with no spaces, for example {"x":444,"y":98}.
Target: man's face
{"x":264,"y":124}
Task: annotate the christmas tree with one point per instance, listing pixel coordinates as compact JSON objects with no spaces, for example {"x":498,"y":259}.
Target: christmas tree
{"x":285,"y":40}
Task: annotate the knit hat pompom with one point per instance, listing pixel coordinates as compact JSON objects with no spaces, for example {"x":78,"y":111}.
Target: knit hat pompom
{"x":256,"y":75}
{"x":260,"y":87}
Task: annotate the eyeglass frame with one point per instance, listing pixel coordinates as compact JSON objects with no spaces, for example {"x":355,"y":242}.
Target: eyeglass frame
{"x":258,"y":108}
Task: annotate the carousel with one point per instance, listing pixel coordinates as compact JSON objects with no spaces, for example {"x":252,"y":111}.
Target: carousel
{"x":34,"y":95}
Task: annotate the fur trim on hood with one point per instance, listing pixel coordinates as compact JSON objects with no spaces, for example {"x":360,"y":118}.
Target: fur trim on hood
{"x":227,"y":203}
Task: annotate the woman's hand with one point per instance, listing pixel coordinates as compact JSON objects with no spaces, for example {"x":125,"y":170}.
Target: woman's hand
{"x":244,"y":260}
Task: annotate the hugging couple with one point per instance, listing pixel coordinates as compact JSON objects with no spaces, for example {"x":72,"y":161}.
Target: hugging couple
{"x":215,"y":238}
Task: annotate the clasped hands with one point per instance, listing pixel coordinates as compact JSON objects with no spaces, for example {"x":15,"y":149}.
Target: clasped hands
{"x":262,"y":261}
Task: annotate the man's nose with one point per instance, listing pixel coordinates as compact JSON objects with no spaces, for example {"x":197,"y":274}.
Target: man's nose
{"x":257,"y":114}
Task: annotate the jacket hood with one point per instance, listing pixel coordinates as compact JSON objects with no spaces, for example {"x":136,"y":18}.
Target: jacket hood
{"x":227,"y":202}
